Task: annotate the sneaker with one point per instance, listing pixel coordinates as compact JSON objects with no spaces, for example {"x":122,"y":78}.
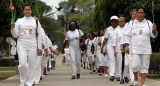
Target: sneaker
{"x":73,"y":77}
{"x":106,"y":75}
{"x":126,"y":79}
{"x":78,"y":76}
{"x":144,"y":85}
{"x":112,"y":78}
{"x":135,"y":83}
{"x":100,"y":74}
{"x":118,"y":78}
{"x":122,"y":81}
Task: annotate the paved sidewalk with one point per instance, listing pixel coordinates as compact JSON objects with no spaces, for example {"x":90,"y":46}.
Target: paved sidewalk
{"x":61,"y":77}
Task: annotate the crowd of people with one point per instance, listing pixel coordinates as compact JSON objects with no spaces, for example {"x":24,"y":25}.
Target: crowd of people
{"x":112,"y":52}
{"x":122,"y":48}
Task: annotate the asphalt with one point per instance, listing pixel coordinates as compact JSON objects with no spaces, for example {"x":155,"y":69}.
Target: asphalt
{"x":61,"y":77}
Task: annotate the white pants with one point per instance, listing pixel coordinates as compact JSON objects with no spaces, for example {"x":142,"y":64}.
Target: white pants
{"x":98,"y":56}
{"x":46,"y":58}
{"x":38,"y":69}
{"x":111,"y":58}
{"x":104,"y":60}
{"x":67,"y":58}
{"x":140,"y":62}
{"x":50,"y":66}
{"x":84,"y":58}
{"x":27,"y":63}
{"x":131,"y":75}
{"x":91,"y":59}
{"x":54,"y":58}
{"x":119,"y":59}
{"x":43,"y":65}
{"x":75,"y":56}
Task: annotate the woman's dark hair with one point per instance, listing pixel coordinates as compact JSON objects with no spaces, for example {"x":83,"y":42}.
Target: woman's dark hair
{"x":53,"y":41}
{"x":137,"y":9}
{"x":98,"y":35}
{"x":77,"y":27}
{"x":27,"y":4}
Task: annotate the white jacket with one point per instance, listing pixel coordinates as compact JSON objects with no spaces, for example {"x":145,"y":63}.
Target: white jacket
{"x":25,"y":31}
{"x":140,"y":33}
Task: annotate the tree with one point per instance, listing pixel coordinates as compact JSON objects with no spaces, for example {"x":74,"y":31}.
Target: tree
{"x":104,"y":9}
{"x":5,"y":19}
{"x":82,"y":13}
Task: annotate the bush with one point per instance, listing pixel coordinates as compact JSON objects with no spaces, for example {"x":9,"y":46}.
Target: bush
{"x":7,"y":62}
{"x":154,"y":63}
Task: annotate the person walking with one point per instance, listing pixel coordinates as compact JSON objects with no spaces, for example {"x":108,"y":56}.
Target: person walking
{"x":73,"y":40}
{"x":26,"y":29}
{"x":140,"y":33}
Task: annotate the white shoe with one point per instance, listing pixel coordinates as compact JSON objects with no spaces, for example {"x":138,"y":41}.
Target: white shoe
{"x":144,"y":85}
{"x":105,"y":75}
{"x":135,"y":83}
{"x":36,"y":83}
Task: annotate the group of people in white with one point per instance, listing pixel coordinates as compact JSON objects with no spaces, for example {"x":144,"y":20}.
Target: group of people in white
{"x":122,"y":48}
{"x":113,"y":52}
{"x":36,"y":52}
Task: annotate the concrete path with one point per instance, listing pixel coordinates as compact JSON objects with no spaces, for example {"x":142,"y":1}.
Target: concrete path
{"x":61,"y":77}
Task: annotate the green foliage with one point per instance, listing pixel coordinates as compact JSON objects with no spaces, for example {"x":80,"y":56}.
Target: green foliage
{"x":104,"y":9}
{"x":5,"y":13}
{"x":83,"y":20}
{"x":7,"y":62}
{"x":155,"y":63}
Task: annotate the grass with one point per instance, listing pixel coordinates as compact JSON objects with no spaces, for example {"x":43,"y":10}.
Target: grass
{"x":154,"y":76}
{"x":4,"y":76}
{"x":7,"y":68}
{"x":8,"y":72}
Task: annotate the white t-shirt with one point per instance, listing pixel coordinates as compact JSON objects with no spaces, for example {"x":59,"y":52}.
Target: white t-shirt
{"x":71,"y":36}
{"x":111,"y":36}
{"x":66,"y":50}
{"x":55,"y":49}
{"x":89,"y":43}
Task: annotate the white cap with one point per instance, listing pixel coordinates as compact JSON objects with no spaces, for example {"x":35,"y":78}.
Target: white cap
{"x":114,"y":17}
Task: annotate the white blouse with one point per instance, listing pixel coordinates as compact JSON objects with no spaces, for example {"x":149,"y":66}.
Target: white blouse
{"x":25,"y":31}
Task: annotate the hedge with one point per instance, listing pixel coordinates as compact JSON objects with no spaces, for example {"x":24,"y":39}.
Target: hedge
{"x":7,"y":62}
{"x":154,"y":63}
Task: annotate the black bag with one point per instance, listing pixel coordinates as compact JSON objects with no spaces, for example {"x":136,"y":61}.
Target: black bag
{"x":92,"y":48}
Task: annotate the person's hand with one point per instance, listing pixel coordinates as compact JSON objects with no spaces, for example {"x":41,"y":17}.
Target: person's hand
{"x":122,"y":49}
{"x":154,"y":27}
{"x":104,"y":53}
{"x":127,"y":50}
{"x":101,"y":50}
{"x":115,"y":53}
{"x":12,"y":23}
{"x":39,"y":52}
{"x":47,"y":53}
